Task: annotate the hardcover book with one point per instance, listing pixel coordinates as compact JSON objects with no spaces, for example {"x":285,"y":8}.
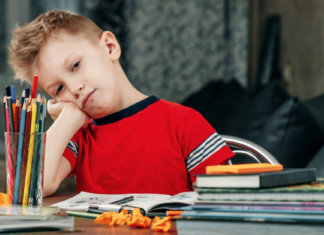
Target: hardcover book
{"x":303,"y":192}
{"x":224,"y":224}
{"x":254,"y":217}
{"x":243,"y":168}
{"x":259,"y":180}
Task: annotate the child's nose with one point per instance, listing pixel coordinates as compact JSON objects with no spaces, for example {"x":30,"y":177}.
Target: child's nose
{"x":77,"y":90}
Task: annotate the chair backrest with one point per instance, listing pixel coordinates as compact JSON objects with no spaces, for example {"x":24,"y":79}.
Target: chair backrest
{"x":250,"y":149}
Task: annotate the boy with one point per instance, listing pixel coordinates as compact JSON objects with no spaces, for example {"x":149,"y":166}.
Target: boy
{"x":112,"y":137}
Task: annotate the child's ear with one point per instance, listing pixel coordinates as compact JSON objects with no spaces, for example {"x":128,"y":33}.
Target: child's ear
{"x":109,"y":39}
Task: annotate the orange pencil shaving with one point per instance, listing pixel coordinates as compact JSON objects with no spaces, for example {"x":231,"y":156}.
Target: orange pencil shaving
{"x":136,"y":219}
{"x":161,"y":225}
{"x":111,"y":218}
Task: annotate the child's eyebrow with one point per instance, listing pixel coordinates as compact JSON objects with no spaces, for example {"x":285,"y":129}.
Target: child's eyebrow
{"x":68,"y":60}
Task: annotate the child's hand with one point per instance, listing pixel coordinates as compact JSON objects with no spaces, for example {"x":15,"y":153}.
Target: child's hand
{"x":55,"y":109}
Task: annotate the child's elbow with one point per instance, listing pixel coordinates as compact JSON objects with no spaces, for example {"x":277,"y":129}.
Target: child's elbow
{"x":49,"y":188}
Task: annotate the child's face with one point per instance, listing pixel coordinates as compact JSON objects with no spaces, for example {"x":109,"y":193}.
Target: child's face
{"x":73,"y":69}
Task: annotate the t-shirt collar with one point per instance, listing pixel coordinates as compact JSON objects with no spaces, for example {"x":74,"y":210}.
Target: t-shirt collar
{"x":127,"y":112}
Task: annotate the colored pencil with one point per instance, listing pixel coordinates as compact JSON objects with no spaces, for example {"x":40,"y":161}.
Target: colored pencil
{"x":27,"y":92}
{"x":19,"y":153}
{"x":14,"y":140}
{"x":17,"y":116}
{"x":22,"y":96}
{"x":30,"y":152}
{"x":8,"y":91}
{"x":82,"y":214}
{"x":34,"y":87}
{"x":13,"y":103}
{"x":25,"y":153}
{"x":13,"y":94}
{"x":10,"y":128}
{"x":17,"y":109}
{"x":9,"y":156}
{"x":10,"y":115}
{"x":4,"y":111}
{"x":35,"y":154}
{"x":16,"y":119}
{"x":40,"y":159}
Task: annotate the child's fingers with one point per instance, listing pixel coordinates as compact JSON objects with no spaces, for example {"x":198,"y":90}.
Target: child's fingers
{"x":54,"y":108}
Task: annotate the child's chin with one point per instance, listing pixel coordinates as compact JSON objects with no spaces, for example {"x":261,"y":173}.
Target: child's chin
{"x":96,"y":115}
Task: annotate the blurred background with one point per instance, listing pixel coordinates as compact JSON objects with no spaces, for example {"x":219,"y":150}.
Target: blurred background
{"x":177,"y":49}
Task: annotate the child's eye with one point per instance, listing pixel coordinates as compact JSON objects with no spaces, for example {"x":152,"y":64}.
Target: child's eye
{"x":59,"y":89}
{"x":75,"y":66}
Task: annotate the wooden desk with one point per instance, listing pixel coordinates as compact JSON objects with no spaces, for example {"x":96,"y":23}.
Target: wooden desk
{"x":87,"y":226}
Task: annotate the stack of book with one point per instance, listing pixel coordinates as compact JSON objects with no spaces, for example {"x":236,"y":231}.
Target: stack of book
{"x":282,"y":195}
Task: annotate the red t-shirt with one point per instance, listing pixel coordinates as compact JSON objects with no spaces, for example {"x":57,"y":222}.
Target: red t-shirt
{"x":153,"y":146}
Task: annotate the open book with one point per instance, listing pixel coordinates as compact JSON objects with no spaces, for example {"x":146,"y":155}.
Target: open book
{"x":147,"y":202}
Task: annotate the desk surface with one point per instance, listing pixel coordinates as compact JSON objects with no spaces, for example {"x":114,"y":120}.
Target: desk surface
{"x":87,"y":226}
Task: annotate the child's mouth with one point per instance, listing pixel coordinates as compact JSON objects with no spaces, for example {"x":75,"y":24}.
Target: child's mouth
{"x":86,"y":99}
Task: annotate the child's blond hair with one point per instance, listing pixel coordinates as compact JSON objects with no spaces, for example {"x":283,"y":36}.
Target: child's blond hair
{"x":29,"y":38}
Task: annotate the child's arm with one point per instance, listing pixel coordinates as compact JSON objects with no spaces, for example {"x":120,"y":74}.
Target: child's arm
{"x":68,"y":120}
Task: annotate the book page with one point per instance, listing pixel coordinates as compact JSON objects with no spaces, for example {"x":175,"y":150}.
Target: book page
{"x":149,"y":201}
{"x":82,"y":200}
{"x":145,"y":201}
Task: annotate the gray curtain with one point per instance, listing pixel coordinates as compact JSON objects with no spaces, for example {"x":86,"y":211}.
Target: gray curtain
{"x":175,"y":47}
